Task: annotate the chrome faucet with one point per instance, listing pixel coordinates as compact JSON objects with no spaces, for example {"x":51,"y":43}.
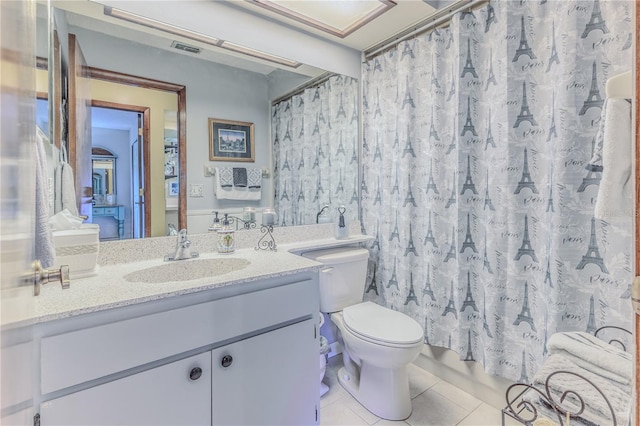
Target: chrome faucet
{"x":183,"y":248}
{"x":321,"y":212}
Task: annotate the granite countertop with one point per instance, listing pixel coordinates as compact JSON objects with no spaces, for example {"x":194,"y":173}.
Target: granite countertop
{"x":109,"y":288}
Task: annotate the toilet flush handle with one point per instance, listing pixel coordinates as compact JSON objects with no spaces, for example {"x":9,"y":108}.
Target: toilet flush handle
{"x":326,"y":270}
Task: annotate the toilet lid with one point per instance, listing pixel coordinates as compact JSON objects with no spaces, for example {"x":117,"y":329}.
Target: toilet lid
{"x":382,"y":324}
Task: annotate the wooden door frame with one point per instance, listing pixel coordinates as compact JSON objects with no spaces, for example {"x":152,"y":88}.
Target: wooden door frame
{"x":181,"y":92}
{"x":78,"y":133}
{"x":146,"y":154}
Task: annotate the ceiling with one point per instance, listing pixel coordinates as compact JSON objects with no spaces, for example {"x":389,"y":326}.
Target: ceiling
{"x":402,"y":15}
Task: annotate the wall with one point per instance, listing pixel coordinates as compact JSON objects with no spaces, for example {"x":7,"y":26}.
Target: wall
{"x":42,"y":81}
{"x":119,"y":143}
{"x":158,"y":102}
{"x":283,"y":83}
{"x":62,"y":27}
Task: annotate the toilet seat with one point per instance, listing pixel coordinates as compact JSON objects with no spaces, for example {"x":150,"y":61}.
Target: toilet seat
{"x":380,"y":325}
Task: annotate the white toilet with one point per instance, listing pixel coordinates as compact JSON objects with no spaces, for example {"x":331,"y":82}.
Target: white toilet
{"x":377,"y":343}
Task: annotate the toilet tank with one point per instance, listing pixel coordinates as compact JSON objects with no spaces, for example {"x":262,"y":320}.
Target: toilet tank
{"x":342,"y":278}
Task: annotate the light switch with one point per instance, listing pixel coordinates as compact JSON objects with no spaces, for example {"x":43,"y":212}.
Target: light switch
{"x":208,"y":171}
{"x":196,"y":190}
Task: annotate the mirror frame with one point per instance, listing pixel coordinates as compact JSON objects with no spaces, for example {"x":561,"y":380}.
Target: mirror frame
{"x":99,"y":153}
{"x":181,"y":92}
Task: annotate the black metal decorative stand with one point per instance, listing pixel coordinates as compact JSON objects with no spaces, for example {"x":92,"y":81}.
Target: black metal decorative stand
{"x":243,"y":224}
{"x":526,"y":412}
{"x":568,"y":404}
{"x":266,"y":242}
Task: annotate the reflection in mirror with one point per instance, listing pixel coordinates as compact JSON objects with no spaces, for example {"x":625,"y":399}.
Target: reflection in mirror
{"x":103,"y":172}
{"x":114,"y":134}
{"x":217,"y":83}
{"x":315,"y":133}
{"x":171,"y":169}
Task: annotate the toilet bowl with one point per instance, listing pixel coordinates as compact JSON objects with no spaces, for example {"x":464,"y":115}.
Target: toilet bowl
{"x":375,"y":370}
{"x":377,"y":343}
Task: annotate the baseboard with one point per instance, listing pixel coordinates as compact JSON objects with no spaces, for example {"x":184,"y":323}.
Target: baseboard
{"x":466,"y":375}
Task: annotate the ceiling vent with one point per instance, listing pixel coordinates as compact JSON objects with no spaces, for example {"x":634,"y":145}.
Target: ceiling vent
{"x":186,"y":47}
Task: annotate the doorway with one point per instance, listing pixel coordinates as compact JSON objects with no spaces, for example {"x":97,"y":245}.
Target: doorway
{"x":117,"y":88}
{"x":121,"y":130}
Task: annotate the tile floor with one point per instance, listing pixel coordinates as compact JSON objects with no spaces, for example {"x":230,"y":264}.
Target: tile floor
{"x":435,"y":402}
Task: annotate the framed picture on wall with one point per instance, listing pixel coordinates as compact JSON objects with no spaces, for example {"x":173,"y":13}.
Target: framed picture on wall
{"x":174,"y":189}
{"x":231,"y":140}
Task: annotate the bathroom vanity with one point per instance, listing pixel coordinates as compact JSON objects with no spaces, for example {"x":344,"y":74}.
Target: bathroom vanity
{"x":115,"y":212}
{"x":237,"y":348}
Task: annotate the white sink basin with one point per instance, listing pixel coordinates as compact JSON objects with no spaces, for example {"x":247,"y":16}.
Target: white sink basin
{"x":185,"y":270}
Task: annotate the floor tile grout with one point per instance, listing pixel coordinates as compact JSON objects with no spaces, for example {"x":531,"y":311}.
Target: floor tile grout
{"x":343,"y":401}
{"x":468,"y":415}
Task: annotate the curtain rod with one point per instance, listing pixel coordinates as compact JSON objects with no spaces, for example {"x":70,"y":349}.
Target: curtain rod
{"x":304,"y":86}
{"x":433,"y":21}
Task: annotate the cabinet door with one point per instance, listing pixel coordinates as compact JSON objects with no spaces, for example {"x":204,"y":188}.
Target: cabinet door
{"x":270,"y":379}
{"x":172,"y":394}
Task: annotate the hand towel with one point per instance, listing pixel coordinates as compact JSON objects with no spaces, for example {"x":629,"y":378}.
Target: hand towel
{"x":254,"y":178}
{"x":240,"y":177}
{"x":225,"y":176}
{"x":44,"y":248}
{"x":65,"y":188}
{"x":69,"y":190}
{"x":595,"y":164}
{"x":615,"y":190}
{"x":235,"y":193}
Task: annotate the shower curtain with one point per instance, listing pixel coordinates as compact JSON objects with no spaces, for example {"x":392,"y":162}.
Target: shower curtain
{"x":315,"y":151}
{"x":476,"y":139}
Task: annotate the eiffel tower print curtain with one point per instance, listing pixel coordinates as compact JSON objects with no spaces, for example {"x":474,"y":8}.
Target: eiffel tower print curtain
{"x":315,"y":151}
{"x":476,"y":139}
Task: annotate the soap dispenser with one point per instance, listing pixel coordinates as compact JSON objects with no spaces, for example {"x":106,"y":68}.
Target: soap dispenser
{"x":226,"y":237}
{"x":215,"y":226}
{"x":342,"y":231}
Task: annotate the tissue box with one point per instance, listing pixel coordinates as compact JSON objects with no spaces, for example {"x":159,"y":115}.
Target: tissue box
{"x":78,"y":248}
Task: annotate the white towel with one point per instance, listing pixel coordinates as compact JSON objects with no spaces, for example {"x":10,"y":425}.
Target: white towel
{"x":595,"y":355}
{"x":225,"y":176}
{"x":254,"y":177}
{"x":65,"y":189}
{"x":235,"y":192}
{"x":596,"y":408}
{"x":615,"y":191}
{"x":45,"y":250}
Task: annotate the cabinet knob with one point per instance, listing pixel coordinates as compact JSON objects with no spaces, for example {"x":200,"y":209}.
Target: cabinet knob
{"x":195,"y":373}
{"x":226,"y":361}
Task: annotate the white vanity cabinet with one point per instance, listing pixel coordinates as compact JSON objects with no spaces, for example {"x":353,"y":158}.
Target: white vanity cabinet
{"x":258,"y":382}
{"x":220,"y":357}
{"x":164,"y":395}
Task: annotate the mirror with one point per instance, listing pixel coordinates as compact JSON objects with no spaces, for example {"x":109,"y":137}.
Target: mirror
{"x":103,"y":173}
{"x":218,"y":84}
